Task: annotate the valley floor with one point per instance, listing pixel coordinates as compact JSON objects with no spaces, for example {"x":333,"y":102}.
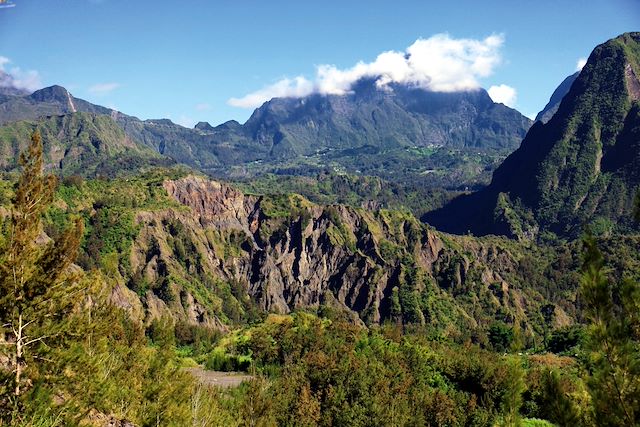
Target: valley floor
{"x":217,"y":378}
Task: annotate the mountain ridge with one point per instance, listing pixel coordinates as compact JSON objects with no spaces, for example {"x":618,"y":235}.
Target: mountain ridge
{"x":358,"y":132}
{"x":85,"y":144}
{"x":365,"y":109}
{"x":556,"y":97}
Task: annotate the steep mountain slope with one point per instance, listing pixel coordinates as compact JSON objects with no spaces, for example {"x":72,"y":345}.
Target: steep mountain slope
{"x":79,"y":143}
{"x":402,"y":134}
{"x":556,"y":97}
{"x":189,"y":146}
{"x":184,"y":145}
{"x":579,"y":168}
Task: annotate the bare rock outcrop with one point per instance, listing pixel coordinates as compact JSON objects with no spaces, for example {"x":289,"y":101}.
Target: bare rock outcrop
{"x":286,"y":253}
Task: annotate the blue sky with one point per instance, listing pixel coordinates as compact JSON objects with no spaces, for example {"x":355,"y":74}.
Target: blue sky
{"x":187,"y":60}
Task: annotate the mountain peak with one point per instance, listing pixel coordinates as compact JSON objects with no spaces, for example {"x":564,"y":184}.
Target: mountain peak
{"x":162,"y":122}
{"x":397,"y":115}
{"x":204,"y":126}
{"x":631,"y":37}
{"x":53,"y":93}
{"x":554,"y":102}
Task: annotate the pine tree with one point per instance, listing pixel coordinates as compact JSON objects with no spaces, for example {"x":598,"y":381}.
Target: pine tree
{"x":613,"y":311}
{"x":37,"y":286}
{"x":556,"y":404}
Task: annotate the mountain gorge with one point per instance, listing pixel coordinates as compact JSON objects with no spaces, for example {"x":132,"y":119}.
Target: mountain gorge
{"x":228,"y":253}
{"x":580,"y":168}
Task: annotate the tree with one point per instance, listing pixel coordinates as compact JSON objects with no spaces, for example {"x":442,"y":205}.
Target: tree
{"x":556,"y":404}
{"x":500,"y":336}
{"x":37,"y":285}
{"x":613,"y":341}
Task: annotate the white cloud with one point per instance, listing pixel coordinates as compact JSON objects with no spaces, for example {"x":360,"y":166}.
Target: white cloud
{"x":581,"y":63}
{"x":29,"y":80}
{"x":439,"y":63}
{"x":503,"y":94}
{"x":203,"y":107}
{"x":285,"y":88}
{"x":103,"y":88}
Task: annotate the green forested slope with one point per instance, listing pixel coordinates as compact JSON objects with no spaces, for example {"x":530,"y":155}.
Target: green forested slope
{"x":578,"y":169}
{"x":82,"y":144}
{"x":340,"y":314}
{"x":414,"y":327}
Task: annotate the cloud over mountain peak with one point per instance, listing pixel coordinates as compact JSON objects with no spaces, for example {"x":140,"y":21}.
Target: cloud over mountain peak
{"x":439,"y":63}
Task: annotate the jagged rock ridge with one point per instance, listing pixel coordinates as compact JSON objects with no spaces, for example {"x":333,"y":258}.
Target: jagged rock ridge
{"x":287,"y":253}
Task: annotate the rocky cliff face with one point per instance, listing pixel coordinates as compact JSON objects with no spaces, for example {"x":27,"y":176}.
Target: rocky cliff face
{"x":285,"y":253}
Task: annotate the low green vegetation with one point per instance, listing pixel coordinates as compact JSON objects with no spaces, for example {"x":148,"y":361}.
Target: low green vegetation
{"x":67,"y":352}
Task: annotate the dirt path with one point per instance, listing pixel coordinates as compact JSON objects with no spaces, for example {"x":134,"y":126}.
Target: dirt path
{"x":219,"y":379}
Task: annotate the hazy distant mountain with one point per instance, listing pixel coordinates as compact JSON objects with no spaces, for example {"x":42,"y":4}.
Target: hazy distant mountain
{"x":582,"y":167}
{"x":403,"y":133}
{"x":400,"y":116}
{"x":554,"y":102}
